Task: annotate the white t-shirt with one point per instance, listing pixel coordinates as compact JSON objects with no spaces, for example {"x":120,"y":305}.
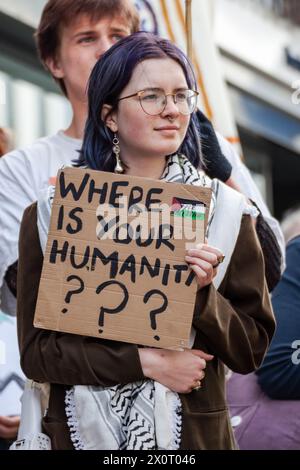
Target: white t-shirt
{"x":23,"y":173}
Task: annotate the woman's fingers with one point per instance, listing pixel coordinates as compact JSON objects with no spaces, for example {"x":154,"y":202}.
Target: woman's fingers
{"x":197,"y":383}
{"x":209,"y":248}
{"x":203,"y":264}
{"x":205,"y":256}
{"x":177,"y":370}
{"x":200,"y":273}
{"x":202,"y":354}
{"x":206,"y":270}
{"x":211,"y":258}
{"x":204,"y":278}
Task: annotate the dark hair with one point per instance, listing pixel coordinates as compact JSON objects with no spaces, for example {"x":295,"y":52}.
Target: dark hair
{"x":109,"y":77}
{"x":59,"y":13}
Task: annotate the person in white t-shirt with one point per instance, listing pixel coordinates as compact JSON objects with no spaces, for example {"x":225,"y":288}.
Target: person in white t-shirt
{"x":71,"y":36}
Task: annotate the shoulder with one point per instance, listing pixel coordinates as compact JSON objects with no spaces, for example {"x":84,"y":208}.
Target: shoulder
{"x":226,"y":196}
{"x":29,"y":244}
{"x":293,"y":260}
{"x":55,"y":148}
{"x":26,"y":155}
{"x":294,"y":244}
{"x":30,"y":215}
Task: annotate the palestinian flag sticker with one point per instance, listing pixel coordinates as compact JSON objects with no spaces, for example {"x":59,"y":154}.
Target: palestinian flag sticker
{"x":188,"y":208}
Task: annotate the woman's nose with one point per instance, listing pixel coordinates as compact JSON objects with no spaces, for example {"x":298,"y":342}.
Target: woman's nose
{"x":170,"y":106}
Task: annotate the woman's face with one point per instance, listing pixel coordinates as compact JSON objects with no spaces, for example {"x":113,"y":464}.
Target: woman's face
{"x":141,"y":134}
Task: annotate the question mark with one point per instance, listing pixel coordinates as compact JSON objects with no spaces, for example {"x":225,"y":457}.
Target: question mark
{"x":72,"y":292}
{"x":117,"y":309}
{"x":157,"y":311}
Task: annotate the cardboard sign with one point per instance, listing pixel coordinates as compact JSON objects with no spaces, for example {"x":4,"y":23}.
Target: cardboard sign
{"x":114,"y":264}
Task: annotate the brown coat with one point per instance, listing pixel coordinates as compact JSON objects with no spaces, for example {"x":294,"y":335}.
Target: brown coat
{"x":234,"y":323}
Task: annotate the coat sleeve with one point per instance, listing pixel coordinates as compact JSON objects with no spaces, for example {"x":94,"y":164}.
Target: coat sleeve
{"x":48,"y":356}
{"x":236,"y":322}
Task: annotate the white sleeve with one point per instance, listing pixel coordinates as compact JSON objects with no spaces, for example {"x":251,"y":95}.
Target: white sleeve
{"x":241,"y":175}
{"x":17,"y":191}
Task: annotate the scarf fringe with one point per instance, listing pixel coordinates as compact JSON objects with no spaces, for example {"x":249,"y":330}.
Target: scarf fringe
{"x":72,"y":420}
{"x":73,"y":423}
{"x":176,"y":422}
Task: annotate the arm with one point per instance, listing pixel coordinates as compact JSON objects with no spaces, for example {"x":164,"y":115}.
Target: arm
{"x":48,"y":356}
{"x":179,"y":371}
{"x":216,"y":164}
{"x":9,"y":426}
{"x":237,"y":322}
{"x":16,"y":193}
{"x":279,"y":375}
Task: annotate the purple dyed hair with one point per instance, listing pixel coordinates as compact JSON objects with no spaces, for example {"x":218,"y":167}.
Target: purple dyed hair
{"x":109,"y":77}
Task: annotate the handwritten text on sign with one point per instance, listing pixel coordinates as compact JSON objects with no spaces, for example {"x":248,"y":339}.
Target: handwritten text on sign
{"x":114,"y":264}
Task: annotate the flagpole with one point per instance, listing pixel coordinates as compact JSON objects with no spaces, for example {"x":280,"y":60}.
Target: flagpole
{"x":189,"y":29}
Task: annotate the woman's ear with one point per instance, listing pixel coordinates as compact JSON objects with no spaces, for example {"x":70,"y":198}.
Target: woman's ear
{"x":109,"y":117}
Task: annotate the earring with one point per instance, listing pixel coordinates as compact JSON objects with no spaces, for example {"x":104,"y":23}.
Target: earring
{"x":116,"y":150}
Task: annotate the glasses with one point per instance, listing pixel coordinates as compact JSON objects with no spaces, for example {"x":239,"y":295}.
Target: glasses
{"x":154,"y":101}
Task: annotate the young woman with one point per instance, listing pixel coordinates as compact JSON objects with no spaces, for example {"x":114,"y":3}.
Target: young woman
{"x":142,"y":98}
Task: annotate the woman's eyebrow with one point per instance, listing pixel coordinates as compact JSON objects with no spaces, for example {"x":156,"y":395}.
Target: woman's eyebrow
{"x":161,"y":89}
{"x":153,"y":89}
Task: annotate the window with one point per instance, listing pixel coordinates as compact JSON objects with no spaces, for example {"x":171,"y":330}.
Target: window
{"x":30,"y":111}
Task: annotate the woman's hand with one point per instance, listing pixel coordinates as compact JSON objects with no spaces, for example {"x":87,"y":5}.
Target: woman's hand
{"x":180,"y":371}
{"x":204,"y":260}
{"x":9,"y":426}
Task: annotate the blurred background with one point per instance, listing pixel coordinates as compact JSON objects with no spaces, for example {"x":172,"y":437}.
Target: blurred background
{"x":258,"y":49}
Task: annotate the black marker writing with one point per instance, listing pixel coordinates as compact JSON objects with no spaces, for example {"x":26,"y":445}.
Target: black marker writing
{"x":115,"y":310}
{"x":156,"y":311}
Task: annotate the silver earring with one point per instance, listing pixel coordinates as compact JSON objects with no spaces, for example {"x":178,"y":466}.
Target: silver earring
{"x":116,"y":150}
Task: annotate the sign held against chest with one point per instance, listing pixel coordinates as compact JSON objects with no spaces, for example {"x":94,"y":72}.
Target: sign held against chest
{"x":114,"y":265}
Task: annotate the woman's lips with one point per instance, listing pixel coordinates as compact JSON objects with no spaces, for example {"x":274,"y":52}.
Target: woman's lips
{"x":167,"y":128}
{"x":168,"y":131}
